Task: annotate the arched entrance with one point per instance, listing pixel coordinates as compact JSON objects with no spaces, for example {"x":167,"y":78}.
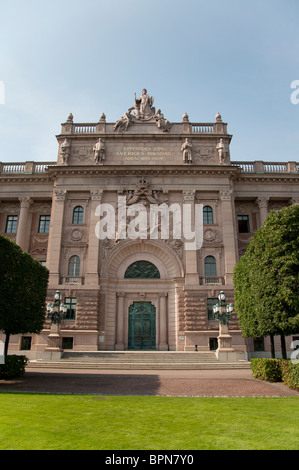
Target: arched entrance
{"x":139,"y":283}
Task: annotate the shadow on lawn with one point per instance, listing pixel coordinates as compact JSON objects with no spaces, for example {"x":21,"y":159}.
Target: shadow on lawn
{"x":80,"y":383}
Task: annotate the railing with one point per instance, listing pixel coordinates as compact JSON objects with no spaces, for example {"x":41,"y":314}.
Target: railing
{"x":267,"y":167}
{"x":208,"y":280}
{"x":203,"y":128}
{"x":14,"y":168}
{"x":246,"y":167}
{"x":25,"y":168}
{"x":275,"y":167}
{"x":84,"y":128}
{"x":73,"y":280}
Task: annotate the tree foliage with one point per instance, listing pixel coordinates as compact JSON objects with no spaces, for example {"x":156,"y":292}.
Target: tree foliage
{"x":266,"y":278}
{"x":23,"y":290}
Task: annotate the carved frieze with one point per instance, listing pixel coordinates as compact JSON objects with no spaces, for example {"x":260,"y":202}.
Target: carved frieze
{"x":83,"y":155}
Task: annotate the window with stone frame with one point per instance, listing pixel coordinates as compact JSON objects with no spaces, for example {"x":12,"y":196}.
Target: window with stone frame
{"x":44,"y":224}
{"x":71,"y":303}
{"x":208,"y":215}
{"x":243,"y":224}
{"x":74,"y":268}
{"x":11,"y":224}
{"x":78,"y":213}
{"x":210,"y":267}
{"x":210,"y":304}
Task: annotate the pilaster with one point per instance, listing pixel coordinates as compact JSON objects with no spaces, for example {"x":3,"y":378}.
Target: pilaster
{"x":120,"y":346}
{"x":163,"y":345}
{"x":55,"y":235}
{"x":229,"y":233}
{"x":192,"y":276}
{"x":92,"y":268}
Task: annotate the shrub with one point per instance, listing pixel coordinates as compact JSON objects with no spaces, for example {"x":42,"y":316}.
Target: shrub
{"x":267,"y":369}
{"x":290,"y":374}
{"x":14,"y":367}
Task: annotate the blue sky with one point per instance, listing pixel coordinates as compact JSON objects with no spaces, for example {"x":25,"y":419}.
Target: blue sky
{"x":194,"y":56}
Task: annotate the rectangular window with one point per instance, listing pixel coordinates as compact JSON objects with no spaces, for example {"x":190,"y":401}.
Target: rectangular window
{"x":210,"y":304}
{"x":67,"y":342}
{"x":44,"y":224}
{"x":258,"y":344}
{"x":26,"y":343}
{"x":71,"y":303}
{"x":243,"y":224}
{"x":11,"y":224}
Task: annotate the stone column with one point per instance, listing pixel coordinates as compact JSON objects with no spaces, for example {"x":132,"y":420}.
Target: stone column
{"x":263,"y":206}
{"x":23,"y":219}
{"x":92,"y":268}
{"x":120,"y":346}
{"x":192,"y":276}
{"x":163,"y":345}
{"x":229,"y":236}
{"x":55,"y":236}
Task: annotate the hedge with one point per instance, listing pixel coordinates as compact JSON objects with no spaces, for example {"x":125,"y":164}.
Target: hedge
{"x":14,"y":367}
{"x":290,"y":374}
{"x":276,"y":370}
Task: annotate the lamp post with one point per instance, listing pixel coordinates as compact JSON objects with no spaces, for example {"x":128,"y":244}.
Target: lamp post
{"x":222,"y":312}
{"x":56,"y":312}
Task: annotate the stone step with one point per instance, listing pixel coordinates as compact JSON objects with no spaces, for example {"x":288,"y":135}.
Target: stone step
{"x":140,"y":357}
{"x":137,"y":360}
{"x":135,"y":366}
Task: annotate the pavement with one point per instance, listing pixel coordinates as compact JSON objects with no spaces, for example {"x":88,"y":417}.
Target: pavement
{"x":176,"y":383}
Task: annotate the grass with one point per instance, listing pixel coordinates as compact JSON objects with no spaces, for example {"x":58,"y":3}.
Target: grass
{"x":84,"y":422}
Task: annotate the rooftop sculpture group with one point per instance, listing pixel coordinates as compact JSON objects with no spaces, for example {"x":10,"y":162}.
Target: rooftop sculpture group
{"x":143,"y":111}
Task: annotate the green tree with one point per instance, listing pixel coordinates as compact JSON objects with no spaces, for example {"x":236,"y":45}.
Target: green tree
{"x":266,"y":279}
{"x":23,"y":290}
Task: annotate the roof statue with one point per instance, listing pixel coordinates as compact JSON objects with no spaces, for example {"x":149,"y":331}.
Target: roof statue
{"x":143,"y":111}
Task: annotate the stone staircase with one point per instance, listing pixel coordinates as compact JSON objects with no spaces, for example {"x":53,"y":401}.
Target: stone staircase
{"x":138,"y":360}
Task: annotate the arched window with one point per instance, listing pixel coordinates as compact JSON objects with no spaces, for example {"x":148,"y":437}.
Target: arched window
{"x":78,"y":215}
{"x":210,"y":267}
{"x":208,"y":215}
{"x":142,"y":270}
{"x":74,"y":266}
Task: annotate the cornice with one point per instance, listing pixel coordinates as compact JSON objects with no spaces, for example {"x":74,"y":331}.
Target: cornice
{"x":268,"y":178}
{"x":137,"y":170}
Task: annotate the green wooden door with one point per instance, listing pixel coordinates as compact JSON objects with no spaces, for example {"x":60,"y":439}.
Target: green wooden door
{"x":142,"y":326}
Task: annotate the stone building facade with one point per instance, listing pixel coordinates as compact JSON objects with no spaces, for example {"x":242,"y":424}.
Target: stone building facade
{"x":140,"y":288}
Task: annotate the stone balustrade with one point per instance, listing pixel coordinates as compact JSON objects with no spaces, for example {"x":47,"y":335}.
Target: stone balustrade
{"x":267,"y":167}
{"x":25,"y":167}
{"x":257,"y":167}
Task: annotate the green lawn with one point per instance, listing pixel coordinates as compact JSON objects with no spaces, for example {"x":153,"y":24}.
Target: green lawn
{"x":71,"y":422}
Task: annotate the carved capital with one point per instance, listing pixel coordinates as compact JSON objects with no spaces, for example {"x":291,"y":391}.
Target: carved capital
{"x":225,"y":194}
{"x":189,"y":195}
{"x":25,"y":202}
{"x":96,"y":194}
{"x":60,"y":194}
{"x":262,"y":202}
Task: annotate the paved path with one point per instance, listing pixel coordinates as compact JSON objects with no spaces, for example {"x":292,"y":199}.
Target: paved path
{"x":202,"y":383}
